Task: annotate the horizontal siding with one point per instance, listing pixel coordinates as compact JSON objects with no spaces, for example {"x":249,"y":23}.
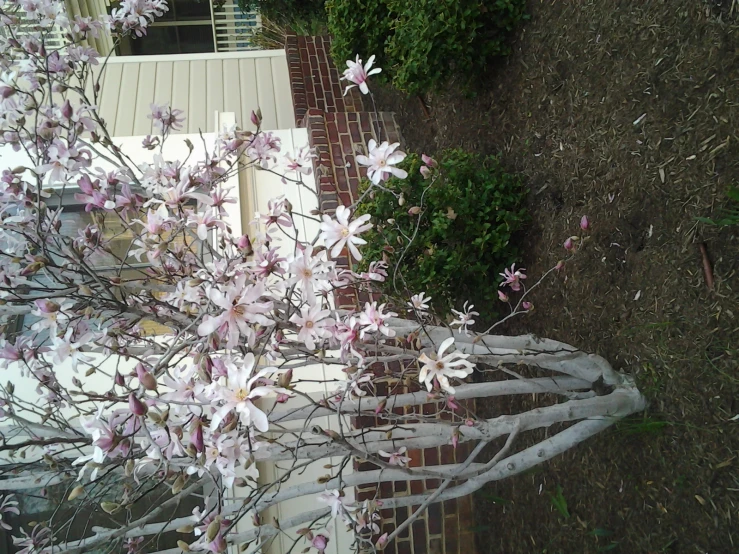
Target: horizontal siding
{"x":200,"y":85}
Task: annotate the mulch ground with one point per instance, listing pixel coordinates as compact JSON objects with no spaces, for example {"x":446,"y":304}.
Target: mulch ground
{"x":626,"y":111}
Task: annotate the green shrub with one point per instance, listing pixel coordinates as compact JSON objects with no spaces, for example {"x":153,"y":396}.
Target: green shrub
{"x":420,"y":43}
{"x":468,"y":217}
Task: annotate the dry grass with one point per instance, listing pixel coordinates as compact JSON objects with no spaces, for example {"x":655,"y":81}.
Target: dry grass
{"x":567,"y":111}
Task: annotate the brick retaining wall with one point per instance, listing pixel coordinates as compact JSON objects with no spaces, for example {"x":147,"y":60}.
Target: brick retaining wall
{"x":339,"y":128}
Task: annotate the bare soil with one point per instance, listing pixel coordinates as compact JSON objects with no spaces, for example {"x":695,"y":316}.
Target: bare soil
{"x":626,"y":111}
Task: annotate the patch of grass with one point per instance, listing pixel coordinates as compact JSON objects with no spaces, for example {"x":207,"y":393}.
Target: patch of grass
{"x":560,"y":503}
{"x":641,"y":425}
{"x":728,"y":216}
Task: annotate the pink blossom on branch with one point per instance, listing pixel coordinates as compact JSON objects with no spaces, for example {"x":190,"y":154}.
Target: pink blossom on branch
{"x":513,"y":277}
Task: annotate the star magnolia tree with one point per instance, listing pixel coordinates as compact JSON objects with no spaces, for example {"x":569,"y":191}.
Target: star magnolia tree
{"x":194,"y":407}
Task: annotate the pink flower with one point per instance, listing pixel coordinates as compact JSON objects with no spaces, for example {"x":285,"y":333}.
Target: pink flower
{"x":166,"y":118}
{"x":584,"y":223}
{"x":357,"y":74}
{"x":513,"y":277}
{"x":320,"y":543}
{"x":443,"y":367}
{"x":569,"y":245}
{"x":373,"y":320}
{"x":397,"y":458}
{"x":503,"y":297}
{"x":381,"y":161}
{"x":339,"y":232}
{"x":241,"y":306}
{"x":312,"y":323}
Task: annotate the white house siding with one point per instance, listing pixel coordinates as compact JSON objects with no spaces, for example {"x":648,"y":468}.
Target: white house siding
{"x":198,"y":84}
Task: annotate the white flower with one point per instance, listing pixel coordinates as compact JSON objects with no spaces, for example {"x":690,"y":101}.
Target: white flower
{"x":419,"y":302}
{"x":339,"y":233}
{"x":444,"y":367}
{"x":334,"y":499}
{"x":381,"y":161}
{"x":239,"y":392}
{"x":464,"y":318}
{"x":357,"y":74}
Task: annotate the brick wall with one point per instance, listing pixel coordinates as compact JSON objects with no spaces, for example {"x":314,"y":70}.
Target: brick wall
{"x":339,"y":128}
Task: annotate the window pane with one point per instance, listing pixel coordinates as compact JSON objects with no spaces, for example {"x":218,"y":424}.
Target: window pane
{"x":188,"y":10}
{"x":196,"y":39}
{"x":158,"y":40}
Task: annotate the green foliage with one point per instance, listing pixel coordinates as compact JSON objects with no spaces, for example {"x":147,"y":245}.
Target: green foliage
{"x":359,"y":27}
{"x":462,"y":234}
{"x":560,"y":503}
{"x":305,"y":17}
{"x":419,"y":44}
{"x":729,"y":216}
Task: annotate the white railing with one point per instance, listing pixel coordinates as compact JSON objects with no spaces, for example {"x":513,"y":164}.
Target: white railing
{"x":53,"y":39}
{"x":232,"y":29}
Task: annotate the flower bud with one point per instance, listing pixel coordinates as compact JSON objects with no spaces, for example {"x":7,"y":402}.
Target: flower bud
{"x":425,"y":172}
{"x":196,"y":437}
{"x":569,"y":245}
{"x":118,"y":379}
{"x":415,"y":210}
{"x":146,"y":379}
{"x":527,"y":306}
{"x":428,"y":160}
{"x":503,"y":297}
{"x":136,"y":406}
{"x":584,"y":223}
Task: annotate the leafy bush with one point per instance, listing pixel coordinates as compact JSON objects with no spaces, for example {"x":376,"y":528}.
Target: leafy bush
{"x":468,"y":217}
{"x":419,"y":44}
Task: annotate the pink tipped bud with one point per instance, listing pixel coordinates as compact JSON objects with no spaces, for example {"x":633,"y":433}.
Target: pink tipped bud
{"x":455,"y":437}
{"x":428,"y":160}
{"x":381,"y":406}
{"x":569,"y":245}
{"x":118,"y":379}
{"x":425,"y":172}
{"x":382,"y":540}
{"x":560,"y":265}
{"x":415,"y":210}
{"x":503,"y":297}
{"x":584,"y":223}
{"x":196,"y":437}
{"x":136,"y":406}
{"x":469,"y":423}
{"x":146,"y":379}
{"x":67,"y":110}
{"x":451,"y":403}
{"x":244,"y":243}
{"x":527,"y":305}
{"x":255,"y":118}
{"x":282,"y":398}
